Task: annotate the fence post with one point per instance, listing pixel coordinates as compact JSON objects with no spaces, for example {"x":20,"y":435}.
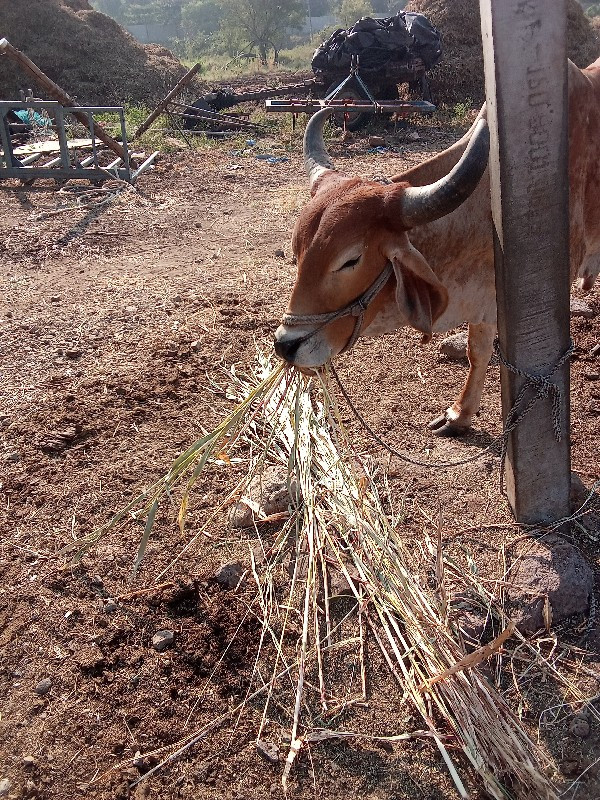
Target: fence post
{"x":526,"y":84}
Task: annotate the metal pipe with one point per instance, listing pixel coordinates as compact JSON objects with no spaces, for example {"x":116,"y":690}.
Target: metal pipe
{"x":144,"y":166}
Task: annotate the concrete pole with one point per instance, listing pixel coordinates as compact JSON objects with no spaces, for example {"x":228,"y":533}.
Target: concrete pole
{"x":526,"y":84}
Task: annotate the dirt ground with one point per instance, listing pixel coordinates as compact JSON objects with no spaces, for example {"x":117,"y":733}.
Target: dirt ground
{"x":112,"y":321}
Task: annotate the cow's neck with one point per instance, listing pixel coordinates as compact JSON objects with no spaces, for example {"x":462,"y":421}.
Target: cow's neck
{"x":439,"y":165}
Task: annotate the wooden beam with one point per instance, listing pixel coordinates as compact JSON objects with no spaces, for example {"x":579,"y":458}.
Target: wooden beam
{"x":177,"y":89}
{"x":58,"y":94}
{"x":526,"y":84}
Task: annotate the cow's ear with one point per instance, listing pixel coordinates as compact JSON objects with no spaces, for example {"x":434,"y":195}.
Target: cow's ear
{"x":420,"y":296}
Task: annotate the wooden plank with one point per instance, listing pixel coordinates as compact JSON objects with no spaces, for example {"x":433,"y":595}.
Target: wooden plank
{"x":58,"y":94}
{"x":52,"y":147}
{"x":177,"y":89}
{"x":526,"y":83}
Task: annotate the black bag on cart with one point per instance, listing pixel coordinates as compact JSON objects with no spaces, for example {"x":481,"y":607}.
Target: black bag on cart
{"x":427,"y":40}
{"x":378,"y":42}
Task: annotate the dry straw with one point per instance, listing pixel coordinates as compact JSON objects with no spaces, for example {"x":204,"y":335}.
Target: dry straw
{"x":459,"y":76}
{"x":340,"y":522}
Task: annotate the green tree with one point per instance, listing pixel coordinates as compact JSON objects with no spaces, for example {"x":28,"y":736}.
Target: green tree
{"x":112,"y":8}
{"x":262,"y":24}
{"x":201,"y":17}
{"x":349,"y":11}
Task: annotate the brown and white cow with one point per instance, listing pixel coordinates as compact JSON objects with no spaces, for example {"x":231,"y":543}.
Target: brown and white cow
{"x":418,"y":251}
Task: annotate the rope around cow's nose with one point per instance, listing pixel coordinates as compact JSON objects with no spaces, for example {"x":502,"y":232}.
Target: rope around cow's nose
{"x":541,"y":384}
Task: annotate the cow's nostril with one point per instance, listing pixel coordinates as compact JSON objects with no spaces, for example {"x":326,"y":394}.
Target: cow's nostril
{"x":286,"y":346}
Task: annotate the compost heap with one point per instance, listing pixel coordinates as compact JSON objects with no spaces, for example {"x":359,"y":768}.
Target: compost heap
{"x":86,"y":53}
{"x":459,"y":76}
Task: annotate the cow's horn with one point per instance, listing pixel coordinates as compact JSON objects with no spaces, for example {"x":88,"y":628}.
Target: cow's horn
{"x":422,"y":204}
{"x":316,"y":160}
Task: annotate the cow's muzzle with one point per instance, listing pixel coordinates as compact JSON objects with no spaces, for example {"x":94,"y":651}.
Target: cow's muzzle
{"x":287,"y":344}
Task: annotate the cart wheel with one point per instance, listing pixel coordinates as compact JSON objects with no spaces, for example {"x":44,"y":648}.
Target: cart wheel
{"x":354,"y":119}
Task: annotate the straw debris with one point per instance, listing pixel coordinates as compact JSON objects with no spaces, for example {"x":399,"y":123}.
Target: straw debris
{"x":338,"y":523}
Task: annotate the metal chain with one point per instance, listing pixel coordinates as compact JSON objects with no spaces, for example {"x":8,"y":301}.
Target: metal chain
{"x":542,"y":385}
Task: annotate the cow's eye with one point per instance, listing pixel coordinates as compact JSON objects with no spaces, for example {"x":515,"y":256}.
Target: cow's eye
{"x":349,"y":264}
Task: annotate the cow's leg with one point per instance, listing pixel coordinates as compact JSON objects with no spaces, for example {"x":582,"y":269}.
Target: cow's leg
{"x":457,"y":419}
{"x":589,"y":271}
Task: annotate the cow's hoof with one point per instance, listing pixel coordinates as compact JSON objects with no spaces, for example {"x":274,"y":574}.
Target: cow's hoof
{"x":442,"y":426}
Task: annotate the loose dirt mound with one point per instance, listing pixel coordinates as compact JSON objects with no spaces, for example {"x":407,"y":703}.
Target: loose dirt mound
{"x":89,"y":54}
{"x":459,"y":76}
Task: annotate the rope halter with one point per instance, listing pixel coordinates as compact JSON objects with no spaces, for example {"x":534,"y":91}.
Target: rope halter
{"x":355,"y":309}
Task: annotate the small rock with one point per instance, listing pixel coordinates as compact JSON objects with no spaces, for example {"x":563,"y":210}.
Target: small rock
{"x":376,"y":141}
{"x":570,"y":768}
{"x":138,"y":761}
{"x":29,"y":762}
{"x":195,"y":345}
{"x":385,"y":745}
{"x":5,"y":787}
{"x":279,"y":253}
{"x":131,"y":309}
{"x":13,"y":458}
{"x":73,"y":354}
{"x":579,"y":308}
{"x":413,"y":136}
{"x":552,"y":569}
{"x":178,"y":299}
{"x":229,"y":575}
{"x":43,"y":687}
{"x":595,"y":351}
{"x":162,"y":640}
{"x":55,"y":298}
{"x":591,"y":376}
{"x":268,"y":750}
{"x":455,"y":346}
{"x":110,"y":606}
{"x":90,"y":659}
{"x":97,"y":581}
{"x":268,"y":493}
{"x":580,"y":727}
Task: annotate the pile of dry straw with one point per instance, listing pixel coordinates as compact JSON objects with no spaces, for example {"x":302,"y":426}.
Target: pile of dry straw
{"x":88,"y":54}
{"x":459,"y":76}
{"x":340,"y":521}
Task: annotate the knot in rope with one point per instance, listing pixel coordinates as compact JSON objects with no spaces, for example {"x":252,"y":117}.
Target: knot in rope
{"x":543,"y":387}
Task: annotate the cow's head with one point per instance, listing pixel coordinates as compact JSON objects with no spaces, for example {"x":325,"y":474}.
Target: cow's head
{"x":358,"y":274}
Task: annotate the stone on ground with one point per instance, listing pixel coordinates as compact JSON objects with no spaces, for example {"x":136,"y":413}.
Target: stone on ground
{"x":267,"y":494}
{"x":549,"y":582}
{"x":455,"y":346}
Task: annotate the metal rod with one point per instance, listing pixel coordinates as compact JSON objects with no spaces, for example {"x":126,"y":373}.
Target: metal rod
{"x":143,"y":167}
{"x":90,"y":115}
{"x":62,"y":138}
{"x":9,"y":158}
{"x":30,"y":159}
{"x":406,"y":108}
{"x":177,"y":89}
{"x":124,"y":140}
{"x":113,"y":164}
